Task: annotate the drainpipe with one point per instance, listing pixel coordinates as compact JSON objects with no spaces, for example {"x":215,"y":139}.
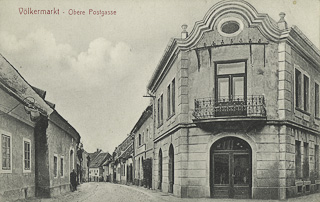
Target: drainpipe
{"x":154,"y":134}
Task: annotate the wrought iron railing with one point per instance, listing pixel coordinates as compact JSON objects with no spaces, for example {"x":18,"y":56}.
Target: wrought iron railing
{"x":250,"y":106}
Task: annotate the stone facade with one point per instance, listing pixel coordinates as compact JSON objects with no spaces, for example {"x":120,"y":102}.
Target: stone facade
{"x":272,"y":125}
{"x":17,"y":182}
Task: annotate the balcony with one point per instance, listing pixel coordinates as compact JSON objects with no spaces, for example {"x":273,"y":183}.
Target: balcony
{"x":225,"y":109}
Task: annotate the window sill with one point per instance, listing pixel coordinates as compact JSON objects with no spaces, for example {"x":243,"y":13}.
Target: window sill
{"x":303,"y":111}
{"x":171,"y":116}
{"x":159,"y":125}
{"x":6,"y":171}
{"x":26,"y":171}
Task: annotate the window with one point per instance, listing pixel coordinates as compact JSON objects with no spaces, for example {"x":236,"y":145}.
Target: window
{"x":26,"y":155}
{"x":139,"y":140}
{"x":55,"y":166}
{"x":6,"y":152}
{"x":302,"y":87}
{"x":305,"y":160}
{"x":169,"y":101}
{"x":61,"y":166}
{"x":316,"y":100}
{"x":173,"y":86}
{"x":171,"y":98}
{"x":298,"y":80}
{"x":231,"y":87}
{"x":306,"y":93}
{"x":148,"y":133}
{"x":230,"y":26}
{"x":160,"y":110}
{"x":316,"y":160}
{"x":143,"y":141}
{"x":298,"y":159}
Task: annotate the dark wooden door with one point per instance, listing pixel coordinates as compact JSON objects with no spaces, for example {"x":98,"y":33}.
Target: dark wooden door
{"x":230,"y":169}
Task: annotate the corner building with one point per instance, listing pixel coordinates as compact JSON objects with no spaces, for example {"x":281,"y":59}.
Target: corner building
{"x":237,"y":108}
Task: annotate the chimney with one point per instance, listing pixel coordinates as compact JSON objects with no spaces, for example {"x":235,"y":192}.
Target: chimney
{"x":184,"y":33}
{"x":282,"y":24}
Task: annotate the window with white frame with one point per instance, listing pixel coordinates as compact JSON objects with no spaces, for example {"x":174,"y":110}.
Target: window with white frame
{"x":6,"y":152}
{"x":55,"y":165}
{"x":26,"y":155}
{"x":302,"y":90}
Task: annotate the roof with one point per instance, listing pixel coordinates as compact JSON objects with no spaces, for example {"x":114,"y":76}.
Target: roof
{"x":144,"y":116}
{"x":261,"y":21}
{"x":97,"y":159}
{"x":57,"y":119}
{"x":12,"y":81}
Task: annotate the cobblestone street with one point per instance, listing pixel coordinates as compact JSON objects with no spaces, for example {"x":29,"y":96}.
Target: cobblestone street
{"x":115,"y":192}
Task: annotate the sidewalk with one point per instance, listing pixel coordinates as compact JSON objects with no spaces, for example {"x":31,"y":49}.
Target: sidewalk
{"x":170,"y":197}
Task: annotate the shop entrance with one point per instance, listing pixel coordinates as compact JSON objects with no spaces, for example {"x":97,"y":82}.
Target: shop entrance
{"x":230,"y":168}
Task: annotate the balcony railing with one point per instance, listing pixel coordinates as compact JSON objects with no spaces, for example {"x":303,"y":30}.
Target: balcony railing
{"x":251,"y":106}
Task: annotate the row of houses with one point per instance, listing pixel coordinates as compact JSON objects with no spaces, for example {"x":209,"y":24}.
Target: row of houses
{"x":234,"y":112}
{"x":39,"y":148}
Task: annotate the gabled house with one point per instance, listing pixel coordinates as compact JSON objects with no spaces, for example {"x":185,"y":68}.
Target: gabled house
{"x":123,"y":162}
{"x":37,"y":143}
{"x":97,"y":160}
{"x":143,"y":148}
{"x":237,"y":108}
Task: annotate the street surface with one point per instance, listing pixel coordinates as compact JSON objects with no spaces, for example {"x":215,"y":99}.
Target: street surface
{"x":102,"y":191}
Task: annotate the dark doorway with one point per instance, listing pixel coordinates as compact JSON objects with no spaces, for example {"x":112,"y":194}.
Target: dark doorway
{"x":171,"y":169}
{"x":230,"y":168}
{"x":160,"y":170}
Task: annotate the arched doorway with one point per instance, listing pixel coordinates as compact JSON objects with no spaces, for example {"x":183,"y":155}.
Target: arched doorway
{"x":171,"y":169}
{"x":230,"y":168}
{"x":160,"y":170}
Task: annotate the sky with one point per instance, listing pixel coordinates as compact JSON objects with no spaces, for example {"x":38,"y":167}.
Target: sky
{"x":96,"y":68}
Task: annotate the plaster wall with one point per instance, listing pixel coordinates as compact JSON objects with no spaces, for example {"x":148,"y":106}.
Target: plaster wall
{"x":18,"y":183}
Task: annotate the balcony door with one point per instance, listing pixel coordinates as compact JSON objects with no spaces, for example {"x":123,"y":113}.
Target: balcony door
{"x":231,"y":88}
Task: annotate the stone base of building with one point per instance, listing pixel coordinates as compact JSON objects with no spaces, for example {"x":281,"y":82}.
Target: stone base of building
{"x":16,"y":194}
{"x":47,"y":192}
{"x":138,"y":182}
